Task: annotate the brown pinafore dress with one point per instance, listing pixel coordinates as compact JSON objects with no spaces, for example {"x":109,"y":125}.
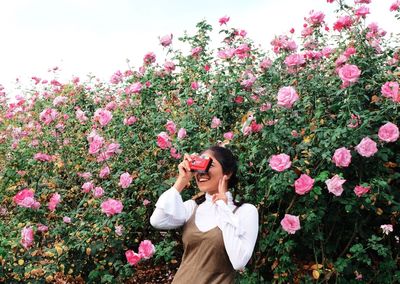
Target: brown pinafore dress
{"x":204,"y":260}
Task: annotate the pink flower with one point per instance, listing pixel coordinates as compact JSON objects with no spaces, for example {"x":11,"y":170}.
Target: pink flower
{"x":265,"y":107}
{"x":54,"y":200}
{"x":59,"y":101}
{"x":166,"y":40}
{"x":163,"y":140}
{"x":111,"y":207}
{"x":242,"y":51}
{"x":146,"y":249}
{"x":280,"y":162}
{"x":229,"y":135}
{"x":182,"y":133}
{"x":189,"y":101}
{"x":303,"y":184}
{"x":342,"y":157}
{"x":48,"y":115}
{"x":80,"y":115}
{"x":66,"y":220}
{"x":125,"y":180}
{"x":391,"y":90}
{"x":171,"y":127}
{"x":226,"y":53}
{"x":388,"y":132}
{"x":287,"y":96}
{"x":249,"y":81}
{"x":119,"y":230}
{"x":87,"y":186}
{"x":361,"y":190}
{"x":223,"y":20}
{"x":130,"y":120}
{"x":215,"y":122}
{"x":342,"y":23}
{"x":146,"y":202}
{"x":194,"y":85}
{"x":265,"y":63}
{"x":149,"y":58}
{"x":395,"y":6}
{"x":362,"y":11}
{"x":104,"y":172}
{"x":135,"y":88}
{"x":335,"y":185}
{"x":349,"y":74}
{"x":103,"y":116}
{"x":196,"y":51}
{"x":42,"y":228}
{"x":355,"y":121}
{"x":294,"y":60}
{"x":386,"y":229}
{"x":174,"y":153}
{"x":116,"y":77}
{"x":96,"y":142}
{"x":25,"y":198}
{"x":316,"y":17}
{"x":27,"y":237}
{"x":290,"y":223}
{"x":132,"y":257}
{"x":367,"y":147}
{"x":98,"y":192}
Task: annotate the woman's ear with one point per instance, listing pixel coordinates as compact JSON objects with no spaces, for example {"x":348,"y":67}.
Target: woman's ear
{"x":229,"y":175}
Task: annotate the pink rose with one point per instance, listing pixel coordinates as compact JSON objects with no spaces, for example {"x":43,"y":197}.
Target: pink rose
{"x":146,"y":249}
{"x":316,"y":17}
{"x":98,"y":192}
{"x":104,"y":172}
{"x":287,"y":96}
{"x":189,"y":101}
{"x":367,"y":147}
{"x":163,"y":140}
{"x":174,"y":153}
{"x":42,"y":228}
{"x":48,"y":115}
{"x":194,"y":85}
{"x":395,"y":6}
{"x":87,"y":186}
{"x":132,"y":257}
{"x":169,"y":66}
{"x":229,"y":135}
{"x":294,"y":60}
{"x":135,"y":88}
{"x":54,"y":200}
{"x":149,"y":58}
{"x":290,"y":223}
{"x":265,"y":63}
{"x":342,"y":23}
{"x":280,"y":162}
{"x":59,"y":101}
{"x":335,"y":185}
{"x":215,"y":122}
{"x":391,"y":90}
{"x":103,"y":116}
{"x":303,"y":184}
{"x":66,"y":220}
{"x":25,"y":198}
{"x":27,"y":237}
{"x":125,"y":180}
{"x":42,"y":157}
{"x":349,"y":74}
{"x":342,"y":157}
{"x":181,"y":133}
{"x":223,"y":20}
{"x":166,"y":40}
{"x":111,"y":207}
{"x":361,"y":190}
{"x":196,"y":51}
{"x":95,"y":144}
{"x":171,"y":127}
{"x":81,"y":116}
{"x":119,"y":230}
{"x":146,"y":202}
{"x":130,"y":120}
{"x":388,"y":132}
{"x":362,"y":11}
{"x":387,"y":229}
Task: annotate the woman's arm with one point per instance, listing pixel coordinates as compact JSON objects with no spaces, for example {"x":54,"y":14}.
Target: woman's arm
{"x":239,"y":232}
{"x":171,"y":212}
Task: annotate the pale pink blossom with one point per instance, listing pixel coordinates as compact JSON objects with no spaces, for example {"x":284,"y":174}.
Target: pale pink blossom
{"x":130,"y":120}
{"x":95,"y":144}
{"x":361,"y":190}
{"x":81,"y":116}
{"x":391,"y":90}
{"x":116,"y":77}
{"x":174,"y":153}
{"x":25,"y":198}
{"x":146,"y":202}
{"x":388,"y":132}
{"x":170,"y":127}
{"x":149,"y":58}
{"x":119,"y":230}
{"x":27,"y":237}
{"x":104,"y":172}
{"x":59,"y":101}
{"x":265,"y":107}
{"x":163,"y":140}
{"x":294,"y":60}
{"x":229,"y":135}
{"x":280,"y":162}
{"x":249,"y":81}
{"x":111,"y":207}
{"x":103,"y":116}
{"x":42,"y":228}
{"x":87,"y":186}
{"x":362,"y":11}
{"x":182,"y":133}
{"x":54,"y":201}
{"x":169,"y":66}
{"x":335,"y":185}
{"x":287,"y":96}
{"x":290,"y":223}
{"x":242,"y":51}
{"x":132,"y":257}
{"x":215,"y":122}
{"x":266,"y":63}
{"x":387,"y":229}
{"x":48,"y":115}
{"x":42,"y":157}
{"x":146,"y":249}
{"x":98,"y":192}
{"x":303,"y":184}
{"x":367,"y":147}
{"x":196,"y":51}
{"x":349,"y":74}
{"x":166,"y":40}
{"x":134,"y":88}
{"x":125,"y":180}
{"x":342,"y":157}
{"x":316,"y":17}
{"x":226,"y":53}
{"x":67,"y":220}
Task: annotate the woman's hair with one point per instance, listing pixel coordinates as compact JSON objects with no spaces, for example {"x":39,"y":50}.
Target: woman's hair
{"x":229,"y":166}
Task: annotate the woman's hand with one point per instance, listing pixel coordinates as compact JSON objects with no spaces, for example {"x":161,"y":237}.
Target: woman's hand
{"x":222,"y":189}
{"x":185,"y":175}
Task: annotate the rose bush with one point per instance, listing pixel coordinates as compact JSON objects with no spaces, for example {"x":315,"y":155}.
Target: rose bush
{"x":314,"y":125}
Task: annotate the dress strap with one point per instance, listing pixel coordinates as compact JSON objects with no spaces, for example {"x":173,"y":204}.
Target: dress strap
{"x":234,"y":210}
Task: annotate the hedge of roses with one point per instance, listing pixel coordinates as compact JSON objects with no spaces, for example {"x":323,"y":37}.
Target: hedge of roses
{"x":314,"y":124}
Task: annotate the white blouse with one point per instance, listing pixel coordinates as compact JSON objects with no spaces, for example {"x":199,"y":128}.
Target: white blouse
{"x":239,"y":230}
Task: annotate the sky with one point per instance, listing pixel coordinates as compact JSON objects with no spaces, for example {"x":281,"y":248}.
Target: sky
{"x":98,"y":37}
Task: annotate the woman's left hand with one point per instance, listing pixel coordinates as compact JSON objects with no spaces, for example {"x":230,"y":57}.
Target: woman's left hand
{"x":222,"y":189}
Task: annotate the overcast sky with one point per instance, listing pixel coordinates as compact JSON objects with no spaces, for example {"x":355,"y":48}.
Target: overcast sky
{"x":97,"y":36}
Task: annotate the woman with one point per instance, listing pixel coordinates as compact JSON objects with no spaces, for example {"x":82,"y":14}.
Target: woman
{"x":218,"y":235}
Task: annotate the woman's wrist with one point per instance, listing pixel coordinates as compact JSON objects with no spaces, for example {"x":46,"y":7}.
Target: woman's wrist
{"x":180,"y":185}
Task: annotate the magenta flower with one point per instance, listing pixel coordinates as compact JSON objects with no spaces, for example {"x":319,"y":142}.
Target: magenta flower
{"x":229,"y":135}
{"x":104,"y":172}
{"x":391,"y":90}
{"x":25,"y":198}
{"x":223,"y":20}
{"x":111,"y":207}
{"x":170,"y":127}
{"x":149,"y":58}
{"x":361,"y":190}
{"x":132,"y":257}
{"x":130,"y":120}
{"x":87,"y":187}
{"x":290,"y":223}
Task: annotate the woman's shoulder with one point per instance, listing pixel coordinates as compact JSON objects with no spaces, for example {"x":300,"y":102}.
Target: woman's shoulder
{"x":247,"y":207}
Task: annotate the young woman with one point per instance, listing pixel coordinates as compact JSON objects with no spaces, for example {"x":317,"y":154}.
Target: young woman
{"x":218,"y":234}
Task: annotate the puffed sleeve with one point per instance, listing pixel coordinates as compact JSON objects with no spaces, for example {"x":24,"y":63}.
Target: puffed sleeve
{"x":239,"y":231}
{"x":171,"y":212}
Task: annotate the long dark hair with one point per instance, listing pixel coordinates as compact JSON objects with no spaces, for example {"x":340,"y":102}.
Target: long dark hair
{"x":229,"y":166}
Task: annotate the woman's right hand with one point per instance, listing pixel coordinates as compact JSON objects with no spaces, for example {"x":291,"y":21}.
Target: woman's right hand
{"x":185,"y":175}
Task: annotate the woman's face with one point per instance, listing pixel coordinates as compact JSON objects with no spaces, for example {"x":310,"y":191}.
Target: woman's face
{"x":208,"y":182}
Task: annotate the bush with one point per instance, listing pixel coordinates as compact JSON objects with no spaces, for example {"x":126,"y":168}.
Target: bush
{"x":82,"y":164}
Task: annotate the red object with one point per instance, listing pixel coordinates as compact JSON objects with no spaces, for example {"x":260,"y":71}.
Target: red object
{"x":200,"y":164}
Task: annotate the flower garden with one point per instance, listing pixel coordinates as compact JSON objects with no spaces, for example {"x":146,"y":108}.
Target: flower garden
{"x":314,"y":123}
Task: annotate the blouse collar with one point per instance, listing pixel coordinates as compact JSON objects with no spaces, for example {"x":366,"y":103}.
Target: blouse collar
{"x":228,"y":195}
